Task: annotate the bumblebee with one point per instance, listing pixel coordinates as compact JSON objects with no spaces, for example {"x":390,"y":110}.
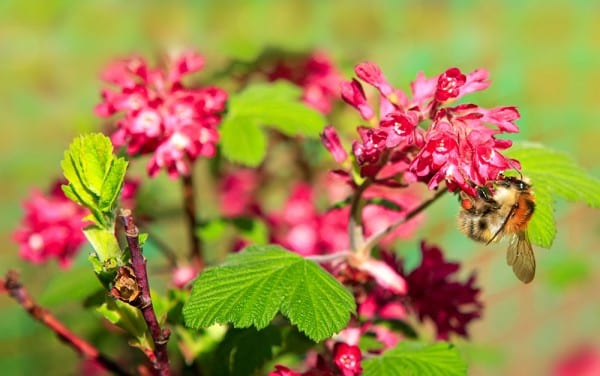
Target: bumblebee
{"x":502,"y":209}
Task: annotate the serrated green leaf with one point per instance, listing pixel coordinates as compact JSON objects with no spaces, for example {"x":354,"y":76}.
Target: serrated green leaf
{"x":112,"y":184}
{"x":95,"y":176}
{"x":414,"y":358}
{"x":95,"y":160}
{"x":276,"y":105}
{"x":253,"y":285}
{"x":542,"y":228}
{"x":242,"y":141}
{"x":559,"y":172}
{"x":552,"y":174}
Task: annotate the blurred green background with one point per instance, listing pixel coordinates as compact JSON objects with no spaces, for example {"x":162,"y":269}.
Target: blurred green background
{"x":543,"y":57}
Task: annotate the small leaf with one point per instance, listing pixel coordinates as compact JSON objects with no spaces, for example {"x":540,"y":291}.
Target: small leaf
{"x":552,"y":174}
{"x":129,"y":319}
{"x":414,"y":358}
{"x":95,"y":176}
{"x":276,"y":105}
{"x":104,"y":243}
{"x":242,"y":141}
{"x":253,"y":230}
{"x":253,"y":285}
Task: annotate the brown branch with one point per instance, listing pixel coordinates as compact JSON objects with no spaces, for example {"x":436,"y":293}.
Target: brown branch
{"x":376,"y":238}
{"x":160,"y":337}
{"x":189,"y":207}
{"x":13,"y":287}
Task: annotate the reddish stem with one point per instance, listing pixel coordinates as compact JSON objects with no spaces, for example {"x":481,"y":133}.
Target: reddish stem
{"x":13,"y":287}
{"x":160,"y":336}
{"x":189,"y":206}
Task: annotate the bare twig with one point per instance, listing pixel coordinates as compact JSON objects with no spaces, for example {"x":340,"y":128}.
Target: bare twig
{"x":355,"y":230}
{"x":189,"y":206}
{"x":376,"y":238}
{"x":160,"y":336}
{"x":13,"y":287}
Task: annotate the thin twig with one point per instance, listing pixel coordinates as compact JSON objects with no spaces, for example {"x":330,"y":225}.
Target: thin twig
{"x":376,"y":238}
{"x":355,"y":232}
{"x":160,"y":337}
{"x":321,"y":259}
{"x":13,"y":287}
{"x":189,"y":206}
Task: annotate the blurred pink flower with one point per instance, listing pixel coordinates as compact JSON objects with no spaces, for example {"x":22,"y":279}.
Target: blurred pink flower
{"x":237,"y":192}
{"x":51,"y":228}
{"x":582,"y":361}
{"x":316,"y":74}
{"x":160,"y":116}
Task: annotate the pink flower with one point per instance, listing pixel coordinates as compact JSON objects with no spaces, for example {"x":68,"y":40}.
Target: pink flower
{"x":331,"y":140}
{"x":237,"y":193}
{"x":183,"y":275}
{"x":315,"y":73}
{"x":347,"y":358}
{"x":457,"y":145}
{"x":435,"y":294}
{"x":160,"y":115}
{"x":354,"y":95}
{"x":449,"y":84}
{"x":372,"y":74}
{"x":283,"y":371}
{"x":582,"y":361}
{"x":51,"y":228}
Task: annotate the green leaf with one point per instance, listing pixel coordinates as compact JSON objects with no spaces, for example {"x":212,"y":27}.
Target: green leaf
{"x":253,"y":285}
{"x":104,"y":242}
{"x":276,"y":105}
{"x":243,"y":141}
{"x":253,"y":230}
{"x":95,"y":176}
{"x":414,"y":358}
{"x":244,"y":351}
{"x":553,"y":174}
{"x":129,"y":319}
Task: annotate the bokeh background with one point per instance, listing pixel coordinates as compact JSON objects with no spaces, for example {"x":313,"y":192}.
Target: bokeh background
{"x":543,"y":57}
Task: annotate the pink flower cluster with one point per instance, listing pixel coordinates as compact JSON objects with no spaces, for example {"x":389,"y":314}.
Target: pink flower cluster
{"x":160,"y":115}
{"x":51,"y":228}
{"x":434,"y":141}
{"x":316,"y":74}
{"x":301,"y":228}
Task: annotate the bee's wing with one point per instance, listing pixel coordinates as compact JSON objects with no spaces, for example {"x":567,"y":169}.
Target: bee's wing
{"x":520,"y":257}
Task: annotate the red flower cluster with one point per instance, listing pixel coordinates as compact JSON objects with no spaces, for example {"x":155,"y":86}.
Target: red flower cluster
{"x":434,"y":293}
{"x":51,"y":228}
{"x":316,"y":74}
{"x":161,"y":116}
{"x":439,"y":142}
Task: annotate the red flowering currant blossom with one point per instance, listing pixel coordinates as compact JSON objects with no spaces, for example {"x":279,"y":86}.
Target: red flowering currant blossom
{"x":332,"y":143}
{"x":582,"y":361}
{"x":316,"y":74}
{"x":237,"y":193}
{"x":453,"y":144}
{"x":160,"y":115}
{"x":51,"y":228}
{"x":347,"y":358}
{"x":434,"y":293}
{"x":283,"y":371}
